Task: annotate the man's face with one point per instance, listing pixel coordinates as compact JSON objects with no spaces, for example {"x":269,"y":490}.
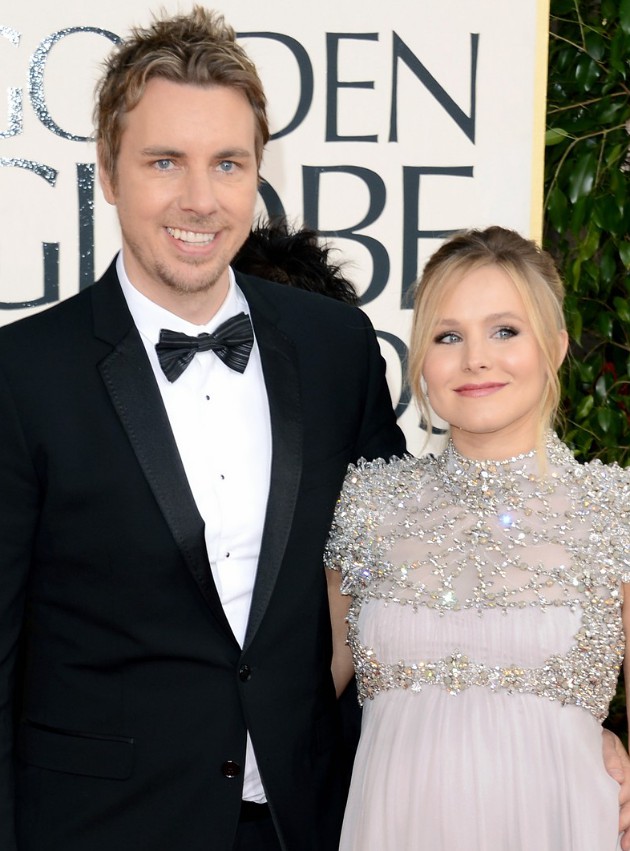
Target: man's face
{"x":184,"y":187}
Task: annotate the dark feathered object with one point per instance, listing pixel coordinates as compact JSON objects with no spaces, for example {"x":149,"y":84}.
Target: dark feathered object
{"x":294,"y":256}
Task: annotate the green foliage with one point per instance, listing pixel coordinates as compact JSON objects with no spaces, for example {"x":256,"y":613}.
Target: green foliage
{"x":587,"y":225}
{"x":587,"y":216}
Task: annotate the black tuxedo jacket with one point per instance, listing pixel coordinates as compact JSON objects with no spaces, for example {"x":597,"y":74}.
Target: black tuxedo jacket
{"x":124,"y":697}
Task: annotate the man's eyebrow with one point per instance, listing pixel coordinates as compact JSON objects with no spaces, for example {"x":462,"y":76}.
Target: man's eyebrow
{"x":161,"y":152}
{"x":241,"y":153}
{"x":226,"y":154}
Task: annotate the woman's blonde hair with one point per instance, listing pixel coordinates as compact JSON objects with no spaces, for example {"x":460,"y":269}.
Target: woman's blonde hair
{"x":537,"y":281}
{"x":198,"y":48}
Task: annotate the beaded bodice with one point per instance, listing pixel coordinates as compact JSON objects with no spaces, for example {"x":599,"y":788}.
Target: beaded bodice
{"x":451,"y":534}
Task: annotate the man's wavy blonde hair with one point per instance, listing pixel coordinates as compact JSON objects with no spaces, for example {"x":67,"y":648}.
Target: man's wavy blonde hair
{"x":198,"y":49}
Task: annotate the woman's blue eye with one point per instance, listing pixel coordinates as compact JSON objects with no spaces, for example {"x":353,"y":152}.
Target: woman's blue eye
{"x":506,"y":333}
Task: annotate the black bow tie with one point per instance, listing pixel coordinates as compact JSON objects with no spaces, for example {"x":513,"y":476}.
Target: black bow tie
{"x":232,"y":342}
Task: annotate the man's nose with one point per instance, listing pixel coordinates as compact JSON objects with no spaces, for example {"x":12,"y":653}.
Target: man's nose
{"x":198,"y":193}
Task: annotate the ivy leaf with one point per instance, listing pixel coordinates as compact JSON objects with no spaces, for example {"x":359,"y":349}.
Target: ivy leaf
{"x":555,"y":135}
{"x":574,"y":322}
{"x":582,"y":177}
{"x":604,"y":419}
{"x":605,"y":325}
{"x":595,"y":45}
{"x":580,"y":212}
{"x":618,"y":52}
{"x":614,"y":154}
{"x":586,"y":72}
{"x":624,"y":16}
{"x":624,"y":253}
{"x":587,"y":372}
{"x":584,"y":408}
{"x":601,"y":387}
{"x":590,"y":243}
{"x":608,"y":110}
{"x":623,"y":309}
{"x":608,"y":214}
{"x":607,"y":265}
{"x":558,"y":209}
{"x":619,"y":188}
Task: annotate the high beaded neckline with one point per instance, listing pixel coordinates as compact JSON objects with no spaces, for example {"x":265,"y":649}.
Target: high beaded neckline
{"x":487,"y":485}
{"x":465,"y":461}
{"x":555,"y":452}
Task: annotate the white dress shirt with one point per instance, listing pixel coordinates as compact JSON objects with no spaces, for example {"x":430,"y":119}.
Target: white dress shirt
{"x":221,"y":424}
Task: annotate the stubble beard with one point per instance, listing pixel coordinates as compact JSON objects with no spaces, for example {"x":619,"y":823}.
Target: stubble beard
{"x":185,"y":286}
{"x":180,"y":285}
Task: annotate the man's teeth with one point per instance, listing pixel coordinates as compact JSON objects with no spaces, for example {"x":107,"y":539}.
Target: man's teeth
{"x":191,"y":236}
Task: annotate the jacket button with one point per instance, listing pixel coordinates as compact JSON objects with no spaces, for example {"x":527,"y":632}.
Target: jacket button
{"x":245,"y":673}
{"x":230,"y":769}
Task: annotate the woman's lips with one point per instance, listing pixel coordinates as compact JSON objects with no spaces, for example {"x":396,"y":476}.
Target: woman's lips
{"x":476,"y":390}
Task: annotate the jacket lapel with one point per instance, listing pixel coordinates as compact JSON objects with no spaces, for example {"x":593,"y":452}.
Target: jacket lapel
{"x":279,"y":363}
{"x":129,"y":379}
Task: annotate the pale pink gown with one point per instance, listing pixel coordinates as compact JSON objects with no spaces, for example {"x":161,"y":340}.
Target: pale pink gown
{"x":487,"y":637}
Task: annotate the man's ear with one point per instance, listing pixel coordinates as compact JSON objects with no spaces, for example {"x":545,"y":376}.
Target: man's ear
{"x":105,"y":178}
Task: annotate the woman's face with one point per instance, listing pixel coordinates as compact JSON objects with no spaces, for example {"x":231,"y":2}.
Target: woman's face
{"x":484,"y":370}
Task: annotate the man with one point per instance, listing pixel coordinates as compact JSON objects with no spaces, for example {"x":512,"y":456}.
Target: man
{"x":165,"y":637}
{"x":165,"y":640}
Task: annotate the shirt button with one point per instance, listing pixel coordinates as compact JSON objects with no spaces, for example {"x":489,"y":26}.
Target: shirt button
{"x":227,"y":555}
{"x":230,"y":769}
{"x":245,"y":673}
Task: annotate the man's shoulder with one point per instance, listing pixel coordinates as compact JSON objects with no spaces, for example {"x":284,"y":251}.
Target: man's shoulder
{"x":62,"y":312}
{"x":60,"y":317}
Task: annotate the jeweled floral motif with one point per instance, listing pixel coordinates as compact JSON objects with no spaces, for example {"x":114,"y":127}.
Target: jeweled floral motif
{"x":451,"y":533}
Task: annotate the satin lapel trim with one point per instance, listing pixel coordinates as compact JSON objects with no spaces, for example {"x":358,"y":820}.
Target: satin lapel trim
{"x":279,"y":363}
{"x":130,"y":382}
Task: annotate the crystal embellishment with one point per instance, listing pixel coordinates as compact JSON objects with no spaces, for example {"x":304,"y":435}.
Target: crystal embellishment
{"x":451,"y":533}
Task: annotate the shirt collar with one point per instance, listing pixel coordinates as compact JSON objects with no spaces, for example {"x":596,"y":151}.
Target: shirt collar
{"x":150,"y":318}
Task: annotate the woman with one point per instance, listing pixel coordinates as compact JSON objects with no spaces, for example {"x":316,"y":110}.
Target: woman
{"x":486,"y":616}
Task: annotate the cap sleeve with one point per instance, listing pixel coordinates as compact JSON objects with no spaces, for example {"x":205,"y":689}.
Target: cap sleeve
{"x":348,"y":546}
{"x":621,"y":522}
{"x":611,"y":489}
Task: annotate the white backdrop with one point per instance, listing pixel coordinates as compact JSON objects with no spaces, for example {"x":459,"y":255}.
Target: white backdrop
{"x":394,"y":123}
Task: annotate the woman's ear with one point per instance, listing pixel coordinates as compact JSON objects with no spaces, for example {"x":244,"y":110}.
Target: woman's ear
{"x":563,"y":345}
